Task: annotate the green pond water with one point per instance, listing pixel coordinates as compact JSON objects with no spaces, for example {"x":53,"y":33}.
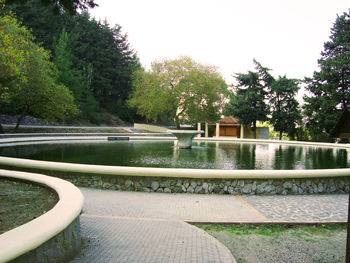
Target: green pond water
{"x":203,"y":155}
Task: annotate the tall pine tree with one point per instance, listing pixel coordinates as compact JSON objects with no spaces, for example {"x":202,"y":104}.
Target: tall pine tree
{"x":328,"y":91}
{"x":285,"y":112}
{"x":249,"y":104}
{"x":63,"y":59}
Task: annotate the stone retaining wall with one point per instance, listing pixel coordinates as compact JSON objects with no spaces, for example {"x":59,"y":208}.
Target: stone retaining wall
{"x":208,"y":186}
{"x":61,"y":248}
{"x":318,"y":185}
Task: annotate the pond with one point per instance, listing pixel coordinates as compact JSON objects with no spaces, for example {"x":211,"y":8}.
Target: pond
{"x":203,"y":155}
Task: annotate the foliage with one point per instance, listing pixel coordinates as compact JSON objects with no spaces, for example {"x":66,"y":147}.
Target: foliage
{"x":249,"y":105}
{"x":111,"y":58}
{"x":98,"y":56}
{"x":32,"y":87}
{"x":78,"y":81}
{"x":180,"y":90}
{"x":14,"y":46}
{"x":328,"y":91}
{"x":57,"y":6}
{"x":63,"y":60}
{"x":258,"y":96}
{"x":285,"y":112}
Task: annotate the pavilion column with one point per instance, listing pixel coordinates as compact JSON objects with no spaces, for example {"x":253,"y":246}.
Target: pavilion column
{"x":242,"y":132}
{"x":217,"y":130}
{"x":206,"y":130}
{"x":199,"y":129}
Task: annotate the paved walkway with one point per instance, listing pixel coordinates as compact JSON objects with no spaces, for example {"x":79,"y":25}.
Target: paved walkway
{"x":150,"y":227}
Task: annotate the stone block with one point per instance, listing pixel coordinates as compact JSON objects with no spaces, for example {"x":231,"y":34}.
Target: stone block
{"x":167,"y":190}
{"x":154,"y":185}
{"x":190,"y":189}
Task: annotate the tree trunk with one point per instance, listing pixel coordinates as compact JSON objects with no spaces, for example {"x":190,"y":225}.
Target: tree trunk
{"x":298,"y":134}
{"x":177,"y":122}
{"x":280,"y":135}
{"x":254,"y":127}
{"x":19,"y":120}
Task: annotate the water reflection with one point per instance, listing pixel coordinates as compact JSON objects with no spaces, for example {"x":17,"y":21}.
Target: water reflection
{"x":205,"y":155}
{"x":322,"y":157}
{"x":288,"y":158}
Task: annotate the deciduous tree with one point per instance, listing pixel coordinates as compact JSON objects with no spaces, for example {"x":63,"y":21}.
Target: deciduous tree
{"x":31,"y":86}
{"x":181,"y":89}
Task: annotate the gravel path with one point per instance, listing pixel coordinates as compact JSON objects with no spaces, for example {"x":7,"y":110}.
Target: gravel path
{"x":301,"y":208}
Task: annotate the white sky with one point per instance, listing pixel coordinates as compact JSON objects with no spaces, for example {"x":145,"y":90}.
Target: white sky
{"x":286,"y":36}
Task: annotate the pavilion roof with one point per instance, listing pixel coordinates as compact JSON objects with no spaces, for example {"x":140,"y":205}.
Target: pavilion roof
{"x":227,"y":121}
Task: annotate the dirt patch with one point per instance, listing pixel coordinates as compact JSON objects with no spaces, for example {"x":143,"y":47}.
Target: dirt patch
{"x":281,"y":244}
{"x":21,"y":202}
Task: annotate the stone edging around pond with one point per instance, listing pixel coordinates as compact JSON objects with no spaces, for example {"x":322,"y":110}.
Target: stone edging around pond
{"x":210,"y":186}
{"x":52,"y":237}
{"x":284,"y":186}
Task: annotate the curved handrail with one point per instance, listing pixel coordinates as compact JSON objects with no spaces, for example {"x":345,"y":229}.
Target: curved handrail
{"x":31,"y":235}
{"x":172,"y":172}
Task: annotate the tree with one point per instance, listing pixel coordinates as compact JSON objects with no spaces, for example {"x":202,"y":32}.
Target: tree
{"x":266,"y":79}
{"x":63,"y":59}
{"x":328,"y":91}
{"x":285,"y":112}
{"x":14,"y":42}
{"x":250,"y":95}
{"x":46,"y":28}
{"x":180,"y":89}
{"x":41,"y":96}
{"x":32,"y":88}
{"x":205,"y":99}
{"x":91,"y":44}
{"x":59,"y":6}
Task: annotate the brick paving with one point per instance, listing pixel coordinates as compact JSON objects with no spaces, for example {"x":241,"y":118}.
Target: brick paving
{"x":150,"y":227}
{"x":183,"y":207}
{"x":128,"y":240}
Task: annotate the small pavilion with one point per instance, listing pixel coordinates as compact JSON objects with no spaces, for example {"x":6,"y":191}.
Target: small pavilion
{"x":228,"y":126}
